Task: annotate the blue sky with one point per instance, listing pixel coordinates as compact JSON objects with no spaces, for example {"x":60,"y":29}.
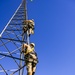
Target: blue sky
{"x":54,"y":33}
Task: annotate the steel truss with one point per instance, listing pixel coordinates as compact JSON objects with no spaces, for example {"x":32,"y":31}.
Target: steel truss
{"x":11,"y":41}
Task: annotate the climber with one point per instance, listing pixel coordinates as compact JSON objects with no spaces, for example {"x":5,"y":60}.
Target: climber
{"x":28,"y":25}
{"x":31,"y":59}
{"x":31,"y":27}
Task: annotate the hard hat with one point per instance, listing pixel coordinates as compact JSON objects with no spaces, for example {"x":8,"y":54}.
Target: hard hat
{"x":32,"y":44}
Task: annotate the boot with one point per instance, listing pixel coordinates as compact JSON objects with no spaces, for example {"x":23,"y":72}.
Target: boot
{"x":33,"y":73}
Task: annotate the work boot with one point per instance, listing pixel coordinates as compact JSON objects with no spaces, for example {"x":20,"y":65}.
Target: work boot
{"x":33,"y":73}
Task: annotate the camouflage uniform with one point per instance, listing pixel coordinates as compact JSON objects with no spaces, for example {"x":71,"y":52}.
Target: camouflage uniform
{"x":28,"y":25}
{"x":31,"y":60}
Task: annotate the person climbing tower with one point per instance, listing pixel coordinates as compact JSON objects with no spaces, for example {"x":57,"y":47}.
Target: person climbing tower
{"x":31,"y":58}
{"x":28,"y":26}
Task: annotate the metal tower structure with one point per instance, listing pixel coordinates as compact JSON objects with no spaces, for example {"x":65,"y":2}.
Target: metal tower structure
{"x":11,"y":40}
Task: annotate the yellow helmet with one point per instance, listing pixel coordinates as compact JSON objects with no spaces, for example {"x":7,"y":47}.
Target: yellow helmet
{"x":32,"y":44}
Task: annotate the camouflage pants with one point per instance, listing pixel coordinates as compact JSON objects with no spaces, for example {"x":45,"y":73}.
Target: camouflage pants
{"x":31,"y":67}
{"x":31,"y":63}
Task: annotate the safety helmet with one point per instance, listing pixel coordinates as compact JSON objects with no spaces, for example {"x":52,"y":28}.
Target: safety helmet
{"x":32,"y":44}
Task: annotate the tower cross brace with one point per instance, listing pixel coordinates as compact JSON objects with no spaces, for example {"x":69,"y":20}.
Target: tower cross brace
{"x":12,"y":35}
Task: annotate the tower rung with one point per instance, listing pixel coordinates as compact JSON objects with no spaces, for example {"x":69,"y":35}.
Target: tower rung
{"x":11,"y":56}
{"x":13,"y":40}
